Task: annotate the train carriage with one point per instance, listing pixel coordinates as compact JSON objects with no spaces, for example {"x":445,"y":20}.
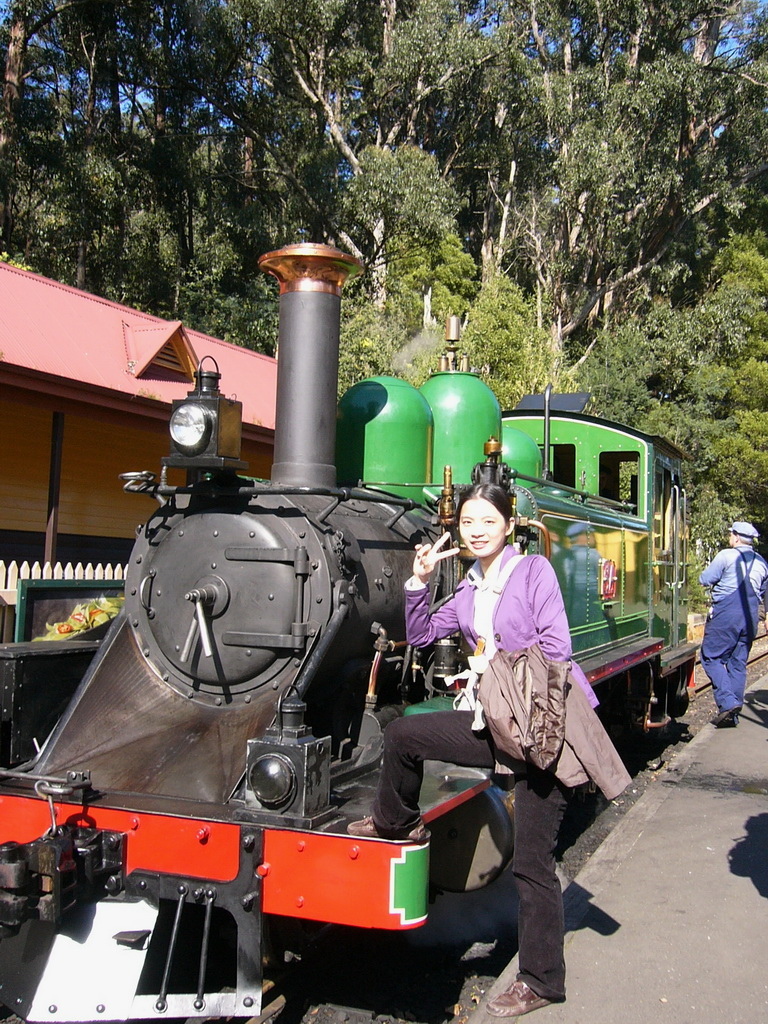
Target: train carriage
{"x":185,"y":821}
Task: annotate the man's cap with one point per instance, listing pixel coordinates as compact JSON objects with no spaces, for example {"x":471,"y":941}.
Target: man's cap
{"x":574,"y":529}
{"x":745,"y":530}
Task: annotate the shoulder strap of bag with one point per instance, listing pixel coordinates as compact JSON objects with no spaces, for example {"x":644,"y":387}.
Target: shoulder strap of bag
{"x":503,"y":578}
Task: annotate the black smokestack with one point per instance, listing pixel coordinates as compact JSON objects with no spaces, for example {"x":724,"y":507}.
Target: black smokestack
{"x":311,"y":278}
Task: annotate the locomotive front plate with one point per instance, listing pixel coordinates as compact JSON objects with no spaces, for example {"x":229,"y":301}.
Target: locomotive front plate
{"x":222,"y":602}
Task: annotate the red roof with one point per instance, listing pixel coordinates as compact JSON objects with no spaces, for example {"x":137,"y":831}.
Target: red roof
{"x":54,"y":330}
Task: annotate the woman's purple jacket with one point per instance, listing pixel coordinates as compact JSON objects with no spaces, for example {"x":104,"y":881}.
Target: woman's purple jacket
{"x":529,"y":611}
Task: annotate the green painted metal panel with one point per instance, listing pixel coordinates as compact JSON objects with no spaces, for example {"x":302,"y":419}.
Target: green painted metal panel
{"x":589,"y":438}
{"x":409,"y":885}
{"x":580,"y":548}
{"x":520,"y":451}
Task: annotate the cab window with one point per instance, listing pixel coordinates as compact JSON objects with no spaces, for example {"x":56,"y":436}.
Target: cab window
{"x":564,"y":464}
{"x":618,"y":476}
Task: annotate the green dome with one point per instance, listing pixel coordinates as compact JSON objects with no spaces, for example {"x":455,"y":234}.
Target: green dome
{"x":466,"y":413}
{"x":384,"y":436}
{"x":520,"y":451}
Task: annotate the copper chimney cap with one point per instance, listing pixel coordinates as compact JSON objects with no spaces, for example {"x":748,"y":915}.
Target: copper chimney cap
{"x":310,"y":267}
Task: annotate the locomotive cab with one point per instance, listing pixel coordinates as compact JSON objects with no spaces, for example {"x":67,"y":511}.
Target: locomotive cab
{"x":615,"y":508}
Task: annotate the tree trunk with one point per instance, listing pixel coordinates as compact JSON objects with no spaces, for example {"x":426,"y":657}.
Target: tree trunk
{"x":427,"y":320}
{"x":379,"y":268}
{"x":13,"y":87}
{"x":488,"y":246}
{"x":82,"y":251}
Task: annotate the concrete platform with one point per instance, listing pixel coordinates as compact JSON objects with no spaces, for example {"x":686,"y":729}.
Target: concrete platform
{"x":668,"y":921}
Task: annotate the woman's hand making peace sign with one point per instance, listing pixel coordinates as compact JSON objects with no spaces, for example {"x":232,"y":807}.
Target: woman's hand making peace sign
{"x":428,"y":555}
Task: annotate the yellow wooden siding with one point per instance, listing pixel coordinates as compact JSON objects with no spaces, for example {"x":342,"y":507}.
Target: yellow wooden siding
{"x":91,"y":501}
{"x":25,"y":446}
{"x":259,"y":458}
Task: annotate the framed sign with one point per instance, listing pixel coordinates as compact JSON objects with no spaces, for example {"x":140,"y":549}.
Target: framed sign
{"x":66,"y":609}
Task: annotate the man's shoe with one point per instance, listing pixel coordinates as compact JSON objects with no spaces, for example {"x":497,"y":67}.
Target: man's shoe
{"x":365,"y":829}
{"x":726,"y":719}
{"x":516,"y":1001}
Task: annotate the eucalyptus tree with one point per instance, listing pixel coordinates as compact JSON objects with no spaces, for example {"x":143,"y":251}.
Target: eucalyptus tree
{"x":637,"y":118}
{"x":696,"y":374}
{"x":69,"y":176}
{"x":116,"y":172}
{"x":23,"y":46}
{"x":344,"y":108}
{"x":589,"y":150}
{"x":79,"y":214}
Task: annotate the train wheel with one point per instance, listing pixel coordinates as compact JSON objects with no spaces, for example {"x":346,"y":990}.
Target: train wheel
{"x":285,"y":939}
{"x":612,"y":709}
{"x":677,"y":692}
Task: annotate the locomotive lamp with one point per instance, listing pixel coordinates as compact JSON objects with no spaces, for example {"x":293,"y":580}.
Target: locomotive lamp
{"x":205,"y":426}
{"x":288,"y":769}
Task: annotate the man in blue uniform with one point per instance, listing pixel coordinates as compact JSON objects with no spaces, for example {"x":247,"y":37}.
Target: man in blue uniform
{"x":738,"y":577}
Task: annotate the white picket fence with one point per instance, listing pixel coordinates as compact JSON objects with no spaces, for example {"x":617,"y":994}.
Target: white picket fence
{"x":11,"y":574}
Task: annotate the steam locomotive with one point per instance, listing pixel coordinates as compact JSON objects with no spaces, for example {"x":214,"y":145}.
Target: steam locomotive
{"x":185,"y":820}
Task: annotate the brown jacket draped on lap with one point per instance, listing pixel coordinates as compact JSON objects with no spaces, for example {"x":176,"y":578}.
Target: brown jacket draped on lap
{"x":536,"y":712}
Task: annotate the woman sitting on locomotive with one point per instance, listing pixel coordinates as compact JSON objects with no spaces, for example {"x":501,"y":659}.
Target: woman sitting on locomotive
{"x":511,"y":602}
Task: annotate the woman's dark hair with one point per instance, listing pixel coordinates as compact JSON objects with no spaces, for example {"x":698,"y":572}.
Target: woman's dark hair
{"x":497,"y":496}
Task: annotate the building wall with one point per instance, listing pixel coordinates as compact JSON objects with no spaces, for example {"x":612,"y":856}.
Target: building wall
{"x":98,"y":445}
{"x":24,"y":462}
